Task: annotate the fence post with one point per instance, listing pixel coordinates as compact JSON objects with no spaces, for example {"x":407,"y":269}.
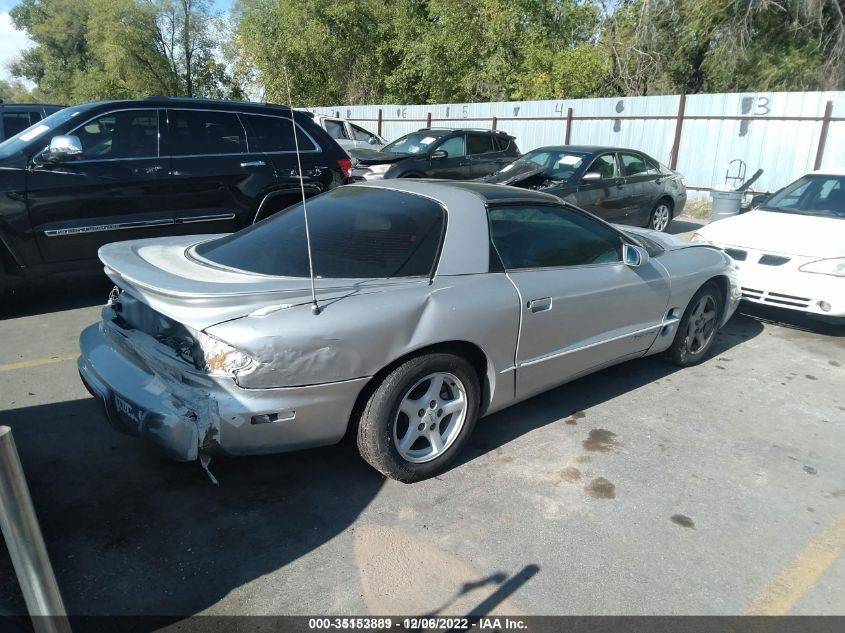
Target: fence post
{"x":828,"y":112}
{"x":495,"y":122}
{"x":428,"y":120}
{"x":679,"y":124}
{"x":26,"y":545}
{"x":568,"y":126}
{"x":378,"y":125}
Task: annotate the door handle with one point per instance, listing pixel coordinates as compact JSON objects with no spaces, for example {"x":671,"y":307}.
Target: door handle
{"x":253,"y":163}
{"x":620,"y":183}
{"x":539,"y":305}
{"x":464,"y":164}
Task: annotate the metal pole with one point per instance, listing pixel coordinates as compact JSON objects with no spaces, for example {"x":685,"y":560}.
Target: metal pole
{"x":679,"y":124}
{"x":26,"y":545}
{"x":568,"y":134}
{"x":378,"y":129}
{"x":828,"y":112}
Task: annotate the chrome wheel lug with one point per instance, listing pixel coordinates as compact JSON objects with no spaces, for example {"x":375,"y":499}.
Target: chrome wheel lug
{"x":421,"y":412}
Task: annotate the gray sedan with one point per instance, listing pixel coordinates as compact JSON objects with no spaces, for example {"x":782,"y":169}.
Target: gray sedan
{"x":436,"y":303}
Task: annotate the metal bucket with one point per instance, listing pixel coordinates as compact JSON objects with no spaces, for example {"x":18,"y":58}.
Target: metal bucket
{"x":725,"y":204}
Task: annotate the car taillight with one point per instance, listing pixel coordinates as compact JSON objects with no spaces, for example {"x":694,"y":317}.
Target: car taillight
{"x":345,"y":165}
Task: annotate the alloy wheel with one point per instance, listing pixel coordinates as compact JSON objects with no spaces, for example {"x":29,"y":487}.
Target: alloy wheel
{"x":430,"y":417}
{"x":702,"y":324}
{"x":661,"y":217}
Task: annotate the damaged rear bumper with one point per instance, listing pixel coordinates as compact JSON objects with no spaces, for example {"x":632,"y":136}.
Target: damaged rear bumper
{"x":144,"y":393}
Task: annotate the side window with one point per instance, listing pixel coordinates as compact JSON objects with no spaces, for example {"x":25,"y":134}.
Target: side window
{"x":34,"y":117}
{"x":480,"y":144}
{"x":274,"y":134}
{"x":454,"y":146}
{"x":605,"y":165}
{"x":633,"y":165}
{"x":124,"y":134}
{"x":14,"y":122}
{"x":204,"y":132}
{"x":360,"y":134}
{"x":549,"y":237}
{"x":501,"y":143}
{"x":335,"y":129}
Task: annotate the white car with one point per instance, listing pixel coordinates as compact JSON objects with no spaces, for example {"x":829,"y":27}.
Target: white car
{"x":348,"y":135}
{"x":791,"y":249}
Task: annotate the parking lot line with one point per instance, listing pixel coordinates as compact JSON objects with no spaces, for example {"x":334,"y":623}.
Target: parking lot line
{"x":787,"y":587}
{"x":37,"y":362}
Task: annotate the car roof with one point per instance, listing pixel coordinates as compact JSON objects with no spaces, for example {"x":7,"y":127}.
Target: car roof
{"x":830,"y":171}
{"x":587,"y":149}
{"x":487,"y":192}
{"x":194,"y":102}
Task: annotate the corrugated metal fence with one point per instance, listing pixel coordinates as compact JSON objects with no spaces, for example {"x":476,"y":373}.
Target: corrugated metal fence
{"x":785,"y":133}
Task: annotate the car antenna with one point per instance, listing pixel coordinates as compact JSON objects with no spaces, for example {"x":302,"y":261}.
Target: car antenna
{"x":315,"y":308}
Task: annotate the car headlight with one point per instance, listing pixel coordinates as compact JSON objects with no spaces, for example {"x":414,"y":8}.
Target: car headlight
{"x":380,"y":169}
{"x":698,"y":238}
{"x":834,"y":267}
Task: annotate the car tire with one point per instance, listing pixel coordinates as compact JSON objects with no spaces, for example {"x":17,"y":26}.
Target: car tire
{"x":398,"y":429}
{"x":698,"y":326}
{"x":660,"y":216}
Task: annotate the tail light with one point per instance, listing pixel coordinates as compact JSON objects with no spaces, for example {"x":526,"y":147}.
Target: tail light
{"x":345,"y":165}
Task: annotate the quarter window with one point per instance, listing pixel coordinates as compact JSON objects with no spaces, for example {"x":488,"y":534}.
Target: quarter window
{"x":605,"y":166}
{"x":275,"y":134}
{"x":550,"y":237}
{"x":336,"y":129}
{"x":203,"y":132}
{"x":360,"y":134}
{"x":480,"y":144}
{"x":124,"y":134}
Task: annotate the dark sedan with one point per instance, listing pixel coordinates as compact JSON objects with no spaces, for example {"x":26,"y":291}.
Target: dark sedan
{"x":619,"y":185}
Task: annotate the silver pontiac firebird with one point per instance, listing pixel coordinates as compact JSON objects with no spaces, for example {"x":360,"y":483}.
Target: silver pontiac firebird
{"x":437,"y":303}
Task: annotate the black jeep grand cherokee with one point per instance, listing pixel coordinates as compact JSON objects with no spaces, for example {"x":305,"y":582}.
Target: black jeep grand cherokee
{"x":101,"y":172}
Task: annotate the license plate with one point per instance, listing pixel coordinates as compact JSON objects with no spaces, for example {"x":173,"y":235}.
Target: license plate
{"x":126,"y":409}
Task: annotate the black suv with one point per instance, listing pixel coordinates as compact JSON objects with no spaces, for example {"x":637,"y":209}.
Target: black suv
{"x":16,"y":117}
{"x":437,"y":153}
{"x":102,"y":172}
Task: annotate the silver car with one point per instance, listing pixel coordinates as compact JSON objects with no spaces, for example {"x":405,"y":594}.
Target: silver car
{"x":437,"y":303}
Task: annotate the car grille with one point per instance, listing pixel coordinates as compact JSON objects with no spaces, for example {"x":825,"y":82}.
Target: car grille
{"x":775,"y":298}
{"x":737,"y":254}
{"x":772,"y":260}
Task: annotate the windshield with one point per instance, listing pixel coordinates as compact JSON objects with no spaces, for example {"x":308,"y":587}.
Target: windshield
{"x":356,"y":232}
{"x":40,"y":130}
{"x":556,"y":164}
{"x":818,"y":195}
{"x":414,"y":143}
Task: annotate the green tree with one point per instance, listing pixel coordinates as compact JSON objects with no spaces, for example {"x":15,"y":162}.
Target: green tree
{"x":99,"y":49}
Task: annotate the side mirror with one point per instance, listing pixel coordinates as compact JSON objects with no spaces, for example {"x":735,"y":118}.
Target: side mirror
{"x":591,"y":175}
{"x":372,"y":140}
{"x":441,"y":153}
{"x":63,"y":147}
{"x":758,"y":200}
{"x":634,"y":256}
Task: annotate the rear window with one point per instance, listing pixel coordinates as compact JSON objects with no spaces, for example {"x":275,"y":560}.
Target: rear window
{"x":356,"y":232}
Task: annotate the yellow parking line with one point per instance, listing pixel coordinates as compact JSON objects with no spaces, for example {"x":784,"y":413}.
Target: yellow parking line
{"x":787,"y":587}
{"x":23,"y":364}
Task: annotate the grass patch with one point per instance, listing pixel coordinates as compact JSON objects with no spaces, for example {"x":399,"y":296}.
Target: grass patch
{"x":698,"y":209}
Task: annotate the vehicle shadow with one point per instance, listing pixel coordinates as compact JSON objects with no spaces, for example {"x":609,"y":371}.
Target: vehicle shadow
{"x":56,"y":294}
{"x":790,"y":319}
{"x":577,"y":396}
{"x":130,"y":532}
